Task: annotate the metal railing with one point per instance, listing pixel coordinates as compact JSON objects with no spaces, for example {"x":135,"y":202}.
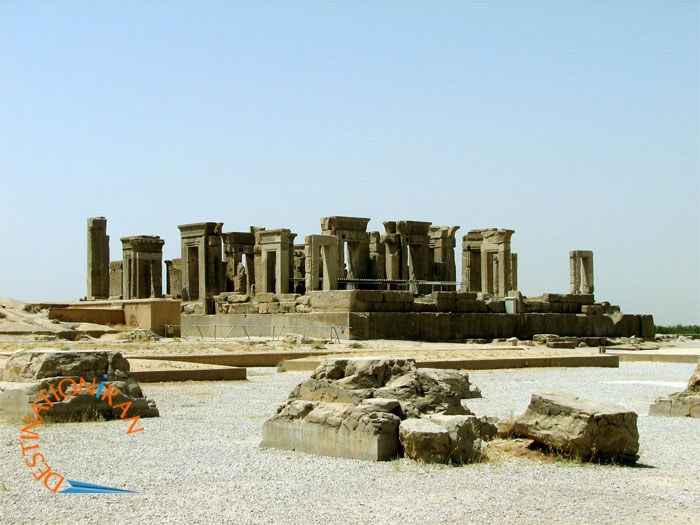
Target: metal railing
{"x":403,"y":284}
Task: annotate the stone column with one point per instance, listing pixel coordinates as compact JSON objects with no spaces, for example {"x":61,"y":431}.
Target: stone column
{"x":574,"y":273}
{"x":504,"y":277}
{"x":358,"y":253}
{"x":513,"y":271}
{"x":116,"y":279}
{"x":581,"y":271}
{"x":486,"y":271}
{"x":173,"y":277}
{"x":587,"y":271}
{"x":471,"y":261}
{"x":442,"y":245}
{"x":377,"y":257}
{"x":392,"y":243}
{"x":321,"y":258}
{"x":97,"y":258}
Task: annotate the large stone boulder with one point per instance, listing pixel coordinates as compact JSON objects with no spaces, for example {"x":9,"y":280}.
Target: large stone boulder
{"x":65,"y":386}
{"x":682,"y":404}
{"x":353,"y":408}
{"x":442,"y":439}
{"x":365,"y":431}
{"x":586,"y":430}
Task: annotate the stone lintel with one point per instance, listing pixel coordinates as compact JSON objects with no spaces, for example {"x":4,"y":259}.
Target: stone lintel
{"x":320,"y":240}
{"x":282,"y":235}
{"x":200,"y":229}
{"x":413,"y":227}
{"x":143,"y":243}
{"x":442,"y":232}
{"x":491,"y":235}
{"x":245,"y":238}
{"x":344,"y":223}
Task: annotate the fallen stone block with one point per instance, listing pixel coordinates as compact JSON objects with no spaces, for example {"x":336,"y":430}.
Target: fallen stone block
{"x":586,"y":430}
{"x":425,"y":441}
{"x":563,"y":342}
{"x":353,"y":407}
{"x":69,"y":382}
{"x":680,"y":404}
{"x":334,"y":429}
{"x":442,"y":439}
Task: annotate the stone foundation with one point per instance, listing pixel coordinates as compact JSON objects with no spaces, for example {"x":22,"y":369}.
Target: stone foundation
{"x":419,"y":326}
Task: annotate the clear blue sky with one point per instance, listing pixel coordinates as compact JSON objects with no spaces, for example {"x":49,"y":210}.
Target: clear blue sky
{"x":575,"y":123}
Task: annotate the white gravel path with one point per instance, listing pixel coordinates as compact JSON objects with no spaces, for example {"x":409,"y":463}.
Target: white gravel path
{"x":200,"y":463}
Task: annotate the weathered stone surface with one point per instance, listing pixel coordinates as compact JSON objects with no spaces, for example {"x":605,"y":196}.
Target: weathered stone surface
{"x":353,"y":407}
{"x":563,"y":342}
{"x":70,"y":380}
{"x":583,"y":429}
{"x":296,"y":339}
{"x":363,"y":431}
{"x":680,"y":404}
{"x":425,"y":441}
{"x":694,"y":382}
{"x":441,"y":439}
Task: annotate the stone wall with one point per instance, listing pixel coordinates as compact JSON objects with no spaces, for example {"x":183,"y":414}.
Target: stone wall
{"x":422,"y":326}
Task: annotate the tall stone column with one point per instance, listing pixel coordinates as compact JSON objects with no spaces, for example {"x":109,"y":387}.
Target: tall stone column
{"x":574,"y":273}
{"x":321,"y":258}
{"x":472,"y":264}
{"x":442,"y":245}
{"x":581,"y":271}
{"x":392,"y":256}
{"x":504,"y":277}
{"x":97,"y":258}
{"x":587,"y":270}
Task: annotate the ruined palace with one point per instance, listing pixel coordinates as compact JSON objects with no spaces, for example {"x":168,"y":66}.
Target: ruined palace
{"x":352,"y":283}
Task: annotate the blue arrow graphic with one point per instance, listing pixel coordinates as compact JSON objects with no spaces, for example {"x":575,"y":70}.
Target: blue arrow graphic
{"x":80,"y":487}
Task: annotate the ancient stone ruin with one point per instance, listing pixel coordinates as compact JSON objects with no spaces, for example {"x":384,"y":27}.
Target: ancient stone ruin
{"x":399,"y":284}
{"x":63,"y":386}
{"x":582,"y":429}
{"x":380,"y":409}
{"x":682,"y":404}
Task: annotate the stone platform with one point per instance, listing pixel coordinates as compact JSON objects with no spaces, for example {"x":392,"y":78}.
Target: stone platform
{"x":417,"y":326}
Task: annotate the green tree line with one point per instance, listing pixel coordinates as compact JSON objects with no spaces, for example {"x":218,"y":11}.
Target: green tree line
{"x":678,"y":329}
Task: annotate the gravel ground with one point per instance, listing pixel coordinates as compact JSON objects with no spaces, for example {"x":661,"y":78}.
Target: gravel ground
{"x":200,"y":463}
